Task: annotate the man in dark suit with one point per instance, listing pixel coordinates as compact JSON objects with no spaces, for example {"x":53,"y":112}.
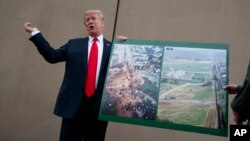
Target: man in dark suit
{"x":241,"y":102}
{"x":77,"y":103}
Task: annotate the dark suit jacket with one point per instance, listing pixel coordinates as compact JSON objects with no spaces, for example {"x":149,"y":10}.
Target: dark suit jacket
{"x":241,"y":101}
{"x":74,"y":53}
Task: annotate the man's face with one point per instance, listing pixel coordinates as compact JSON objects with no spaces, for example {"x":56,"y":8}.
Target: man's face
{"x":94,"y":24}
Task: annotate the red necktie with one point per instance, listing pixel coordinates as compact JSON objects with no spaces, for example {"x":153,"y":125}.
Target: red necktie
{"x":92,"y":68}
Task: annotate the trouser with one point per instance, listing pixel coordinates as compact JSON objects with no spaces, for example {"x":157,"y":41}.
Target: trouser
{"x":84,"y":126}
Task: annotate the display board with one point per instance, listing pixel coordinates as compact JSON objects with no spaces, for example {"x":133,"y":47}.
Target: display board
{"x":173,"y":85}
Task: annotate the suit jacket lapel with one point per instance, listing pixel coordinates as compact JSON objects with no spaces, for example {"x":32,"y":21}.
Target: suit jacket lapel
{"x":84,"y":46}
{"x":106,"y":53}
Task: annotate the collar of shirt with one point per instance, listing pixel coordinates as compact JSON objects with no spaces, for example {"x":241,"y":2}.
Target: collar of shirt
{"x":99,"y":44}
{"x":99,"y":38}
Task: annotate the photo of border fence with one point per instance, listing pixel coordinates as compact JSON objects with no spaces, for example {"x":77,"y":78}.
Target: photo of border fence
{"x":191,"y":90}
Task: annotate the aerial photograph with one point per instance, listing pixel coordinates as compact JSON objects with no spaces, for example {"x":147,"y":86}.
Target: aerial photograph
{"x":191,"y":87}
{"x":132,"y":83}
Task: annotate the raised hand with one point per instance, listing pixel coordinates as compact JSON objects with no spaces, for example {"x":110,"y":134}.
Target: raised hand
{"x":29,"y":27}
{"x":121,"y":38}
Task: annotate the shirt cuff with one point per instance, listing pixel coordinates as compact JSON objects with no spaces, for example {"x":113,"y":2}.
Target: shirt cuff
{"x":34,"y":32}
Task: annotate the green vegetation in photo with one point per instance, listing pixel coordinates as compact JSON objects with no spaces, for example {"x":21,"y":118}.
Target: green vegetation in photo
{"x":150,"y":89}
{"x":203,"y":93}
{"x":189,"y":116}
{"x":171,"y":84}
{"x":199,"y":77}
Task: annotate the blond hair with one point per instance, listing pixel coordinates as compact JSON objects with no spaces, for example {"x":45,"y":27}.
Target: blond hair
{"x":99,"y":12}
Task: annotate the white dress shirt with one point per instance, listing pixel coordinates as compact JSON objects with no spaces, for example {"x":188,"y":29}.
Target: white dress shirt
{"x":100,"y":52}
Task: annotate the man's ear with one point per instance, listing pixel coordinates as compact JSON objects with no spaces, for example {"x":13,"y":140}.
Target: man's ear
{"x":102,"y":24}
